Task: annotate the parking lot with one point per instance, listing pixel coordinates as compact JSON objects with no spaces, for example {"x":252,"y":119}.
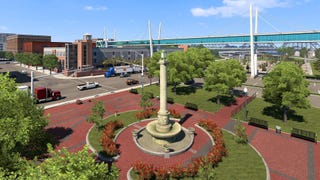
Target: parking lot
{"x":68,"y":86}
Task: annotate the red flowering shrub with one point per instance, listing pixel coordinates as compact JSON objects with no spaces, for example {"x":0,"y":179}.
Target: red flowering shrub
{"x":161,"y":173}
{"x":109,"y":146}
{"x":147,"y":113}
{"x":145,"y":171}
{"x":174,"y":113}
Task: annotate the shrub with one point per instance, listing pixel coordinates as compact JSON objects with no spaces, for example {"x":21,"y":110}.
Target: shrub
{"x":109,"y":146}
{"x":170,"y":100}
{"x":78,"y":101}
{"x":149,"y":95}
{"x":241,"y":134}
{"x":134,"y":91}
{"x":191,"y":106}
{"x":174,"y":113}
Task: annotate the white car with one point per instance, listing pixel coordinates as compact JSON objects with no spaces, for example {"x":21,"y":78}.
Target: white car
{"x":87,"y":85}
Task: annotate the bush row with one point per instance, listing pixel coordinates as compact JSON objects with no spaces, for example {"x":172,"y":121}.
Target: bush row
{"x":109,"y":146}
{"x":191,"y":106}
{"x":258,"y":122}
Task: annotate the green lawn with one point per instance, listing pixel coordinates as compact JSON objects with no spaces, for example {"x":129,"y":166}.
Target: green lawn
{"x":307,"y":119}
{"x":242,"y":161}
{"x":204,"y":99}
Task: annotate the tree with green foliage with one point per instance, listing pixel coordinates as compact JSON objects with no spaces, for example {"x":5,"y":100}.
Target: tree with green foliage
{"x":50,"y":61}
{"x":21,"y":124}
{"x":97,"y":112}
{"x":36,"y":60}
{"x":178,"y":68}
{"x":286,"y":52}
{"x":303,"y":52}
{"x":286,"y":87}
{"x":9,"y":55}
{"x":65,"y":165}
{"x":145,"y":101}
{"x":153,"y":65}
{"x":199,"y":58}
{"x":223,"y":76}
{"x":19,"y":57}
{"x":317,"y":63}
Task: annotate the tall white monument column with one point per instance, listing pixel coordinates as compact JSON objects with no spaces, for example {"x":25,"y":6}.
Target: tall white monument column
{"x":163,"y":114}
{"x":252,"y":62}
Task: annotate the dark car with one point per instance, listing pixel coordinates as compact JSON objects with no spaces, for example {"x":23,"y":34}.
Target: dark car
{"x":132,"y":81}
{"x":122,"y":75}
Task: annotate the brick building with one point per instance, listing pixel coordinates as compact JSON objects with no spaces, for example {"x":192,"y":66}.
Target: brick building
{"x":15,"y":43}
{"x":3,"y":40}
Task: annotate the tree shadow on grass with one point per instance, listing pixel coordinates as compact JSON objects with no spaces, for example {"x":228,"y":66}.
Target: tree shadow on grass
{"x":225,"y":100}
{"x":277,"y":113}
{"x":185,"y":90}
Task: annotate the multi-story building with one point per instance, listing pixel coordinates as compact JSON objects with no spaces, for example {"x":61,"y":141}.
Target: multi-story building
{"x":3,"y":40}
{"x":15,"y":43}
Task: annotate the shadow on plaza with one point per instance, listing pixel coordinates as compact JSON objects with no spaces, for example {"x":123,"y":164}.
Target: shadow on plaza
{"x":277,"y":113}
{"x":58,"y":134}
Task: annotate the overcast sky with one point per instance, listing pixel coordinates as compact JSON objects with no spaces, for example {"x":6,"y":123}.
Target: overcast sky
{"x":68,"y":20}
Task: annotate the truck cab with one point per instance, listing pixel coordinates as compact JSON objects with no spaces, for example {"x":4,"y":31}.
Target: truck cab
{"x":43,"y":94}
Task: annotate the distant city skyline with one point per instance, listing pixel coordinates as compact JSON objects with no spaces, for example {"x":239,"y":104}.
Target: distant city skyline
{"x":67,"y":21}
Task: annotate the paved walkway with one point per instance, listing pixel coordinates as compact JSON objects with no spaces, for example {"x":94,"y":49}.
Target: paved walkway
{"x":286,"y":157}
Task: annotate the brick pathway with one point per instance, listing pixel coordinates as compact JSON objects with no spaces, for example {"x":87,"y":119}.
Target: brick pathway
{"x":286,"y":157}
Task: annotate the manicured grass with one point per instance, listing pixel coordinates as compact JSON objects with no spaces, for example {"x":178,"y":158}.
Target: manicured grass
{"x":204,"y":99}
{"x":242,"y":161}
{"x":307,"y":119}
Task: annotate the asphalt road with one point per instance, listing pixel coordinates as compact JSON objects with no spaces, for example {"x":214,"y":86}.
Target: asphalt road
{"x":68,"y":86}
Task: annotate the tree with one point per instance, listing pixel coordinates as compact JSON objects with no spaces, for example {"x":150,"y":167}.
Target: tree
{"x":50,"y":61}
{"x":153,"y":65}
{"x":178,"y":68}
{"x":97,"y":112}
{"x":21,"y":124}
{"x":286,"y":87}
{"x":65,"y":165}
{"x":9,"y":55}
{"x":36,"y":60}
{"x":19,"y":57}
{"x":303,"y":52}
{"x":199,"y":58}
{"x":145,"y":101}
{"x":286,"y":52}
{"x":223,"y":76}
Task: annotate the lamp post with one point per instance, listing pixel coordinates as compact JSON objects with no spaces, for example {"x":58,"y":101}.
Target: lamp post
{"x":245,"y":90}
{"x":142,"y":71}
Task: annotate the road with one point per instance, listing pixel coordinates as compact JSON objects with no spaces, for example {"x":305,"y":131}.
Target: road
{"x":68,"y":86}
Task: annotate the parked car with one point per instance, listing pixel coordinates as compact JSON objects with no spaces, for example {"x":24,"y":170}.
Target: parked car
{"x":132,"y":81}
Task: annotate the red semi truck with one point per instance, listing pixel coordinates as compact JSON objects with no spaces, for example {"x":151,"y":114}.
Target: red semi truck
{"x":43,"y":94}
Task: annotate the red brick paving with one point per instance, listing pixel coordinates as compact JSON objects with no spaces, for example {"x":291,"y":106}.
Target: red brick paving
{"x":317,"y":160}
{"x":285,"y":156}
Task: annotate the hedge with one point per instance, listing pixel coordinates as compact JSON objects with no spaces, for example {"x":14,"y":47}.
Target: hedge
{"x":191,"y":106}
{"x":170,"y":100}
{"x":304,"y":134}
{"x":134,"y":91}
{"x":258,"y":122}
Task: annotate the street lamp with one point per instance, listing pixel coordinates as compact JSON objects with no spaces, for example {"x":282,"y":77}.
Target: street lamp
{"x":245,"y":90}
{"x":142,"y":71}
